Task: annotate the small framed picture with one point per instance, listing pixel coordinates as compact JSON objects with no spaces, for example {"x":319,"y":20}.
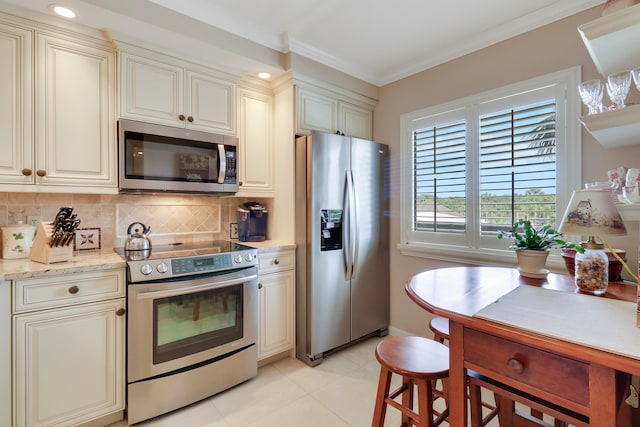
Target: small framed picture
{"x":86,"y":238}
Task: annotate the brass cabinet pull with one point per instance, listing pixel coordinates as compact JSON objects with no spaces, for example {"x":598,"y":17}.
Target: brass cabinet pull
{"x":41,"y":172}
{"x":259,"y":285}
{"x":276,"y":261}
{"x":27,"y":172}
{"x":121,"y":312}
{"x":515,"y":366}
{"x":181,"y":117}
{"x":190,"y":119}
{"x":240,"y":183}
{"x":74,"y":289}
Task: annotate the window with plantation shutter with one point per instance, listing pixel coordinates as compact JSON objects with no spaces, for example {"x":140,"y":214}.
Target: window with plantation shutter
{"x":472,"y":167}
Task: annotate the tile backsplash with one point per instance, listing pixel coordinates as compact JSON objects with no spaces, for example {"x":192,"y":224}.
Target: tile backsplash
{"x":171,"y":217}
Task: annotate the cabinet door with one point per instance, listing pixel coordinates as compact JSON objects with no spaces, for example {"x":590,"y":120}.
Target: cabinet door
{"x":276,"y":313}
{"x":256,"y":144}
{"x":316,"y":112}
{"x":211,"y":103}
{"x":75,"y":113}
{"x":151,"y":90}
{"x":16,"y":138}
{"x":69,"y":364}
{"x":355,"y":121}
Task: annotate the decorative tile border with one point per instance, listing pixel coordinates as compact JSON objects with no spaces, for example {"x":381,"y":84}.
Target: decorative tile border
{"x":87,"y":238}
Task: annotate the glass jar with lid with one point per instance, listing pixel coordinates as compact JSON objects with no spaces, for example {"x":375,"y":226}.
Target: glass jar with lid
{"x":592,"y":268}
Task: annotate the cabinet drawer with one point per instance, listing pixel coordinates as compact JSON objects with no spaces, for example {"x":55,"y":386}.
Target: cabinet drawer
{"x":538,"y":370}
{"x":276,"y":260}
{"x":69,"y":289}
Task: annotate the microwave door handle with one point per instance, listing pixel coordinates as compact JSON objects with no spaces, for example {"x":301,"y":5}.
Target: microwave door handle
{"x":222,"y":161}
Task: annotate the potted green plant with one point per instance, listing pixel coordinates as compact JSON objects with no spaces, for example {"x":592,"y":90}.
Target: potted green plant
{"x":532,"y":245}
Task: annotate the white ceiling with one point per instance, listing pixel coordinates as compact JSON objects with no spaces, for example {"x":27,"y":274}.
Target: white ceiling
{"x":378,"y":41}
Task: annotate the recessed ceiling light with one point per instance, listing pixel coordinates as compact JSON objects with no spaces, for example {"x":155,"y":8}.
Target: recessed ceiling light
{"x":63,"y":11}
{"x":264,"y":75}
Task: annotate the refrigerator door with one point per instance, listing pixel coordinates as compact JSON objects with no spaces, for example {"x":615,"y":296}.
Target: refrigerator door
{"x":328,"y":291}
{"x":370,"y":281}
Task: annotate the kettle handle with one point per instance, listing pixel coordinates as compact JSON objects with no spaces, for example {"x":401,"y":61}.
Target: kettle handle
{"x":130,"y":229}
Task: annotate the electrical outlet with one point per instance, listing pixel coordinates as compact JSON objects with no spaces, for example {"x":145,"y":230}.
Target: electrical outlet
{"x":233,"y":230}
{"x":33,"y":220}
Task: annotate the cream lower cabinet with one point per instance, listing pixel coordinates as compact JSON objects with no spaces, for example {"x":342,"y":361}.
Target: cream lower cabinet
{"x":68,"y":347}
{"x":166,"y":90}
{"x":277,"y":310}
{"x":58,"y":134}
{"x":256,"y":149}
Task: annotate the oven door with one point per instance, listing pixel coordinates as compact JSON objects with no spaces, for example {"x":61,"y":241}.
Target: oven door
{"x":183,"y":322}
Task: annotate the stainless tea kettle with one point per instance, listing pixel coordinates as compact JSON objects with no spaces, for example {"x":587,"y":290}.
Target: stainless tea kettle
{"x":138,"y":246}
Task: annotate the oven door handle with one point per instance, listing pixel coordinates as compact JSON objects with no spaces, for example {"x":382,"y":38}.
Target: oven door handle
{"x":192,"y":289}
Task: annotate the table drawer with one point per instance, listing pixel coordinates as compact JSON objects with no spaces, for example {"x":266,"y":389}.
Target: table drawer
{"x":68,"y":289}
{"x":538,"y":370}
{"x":276,"y":260}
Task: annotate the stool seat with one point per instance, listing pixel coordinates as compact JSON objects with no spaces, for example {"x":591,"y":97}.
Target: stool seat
{"x":440,"y":327}
{"x":420,"y":362}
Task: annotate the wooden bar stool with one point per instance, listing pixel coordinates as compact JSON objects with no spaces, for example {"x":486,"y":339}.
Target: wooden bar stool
{"x":419,"y":361}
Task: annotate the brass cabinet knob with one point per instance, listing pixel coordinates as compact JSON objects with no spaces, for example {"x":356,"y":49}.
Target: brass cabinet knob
{"x":276,"y":261}
{"x":181,"y":117}
{"x":259,"y":285}
{"x":190,"y":119}
{"x":27,"y":172}
{"x":240,"y":183}
{"x":41,"y":172}
{"x":121,"y":312}
{"x":74,"y":289}
{"x":515,"y":366}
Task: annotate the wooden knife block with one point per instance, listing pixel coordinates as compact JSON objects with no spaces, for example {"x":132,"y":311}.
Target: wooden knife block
{"x":42,"y":252}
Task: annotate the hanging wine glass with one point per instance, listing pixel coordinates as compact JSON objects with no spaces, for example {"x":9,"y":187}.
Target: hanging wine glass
{"x":591,"y":93}
{"x":635,"y":73}
{"x":618,"y":87}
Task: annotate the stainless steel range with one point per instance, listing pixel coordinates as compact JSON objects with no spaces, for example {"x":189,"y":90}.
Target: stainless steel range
{"x":192,"y":324}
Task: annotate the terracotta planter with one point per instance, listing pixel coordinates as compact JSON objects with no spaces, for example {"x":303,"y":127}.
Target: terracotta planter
{"x":531,"y":263}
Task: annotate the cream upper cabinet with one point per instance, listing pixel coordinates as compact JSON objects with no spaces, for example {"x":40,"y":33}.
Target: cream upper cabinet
{"x":63,"y":140}
{"x":166,"y":90}
{"x":69,"y":337}
{"x":256,"y":149}
{"x":329,"y":111}
{"x":16,"y":75}
{"x":75,"y":113}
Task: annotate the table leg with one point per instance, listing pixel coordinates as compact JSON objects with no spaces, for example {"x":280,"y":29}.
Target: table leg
{"x":602,"y":395}
{"x":457,"y":380}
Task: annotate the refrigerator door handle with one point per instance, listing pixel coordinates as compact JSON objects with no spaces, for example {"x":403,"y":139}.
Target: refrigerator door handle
{"x":355,"y":242}
{"x":346,"y":227}
{"x":353,"y":226}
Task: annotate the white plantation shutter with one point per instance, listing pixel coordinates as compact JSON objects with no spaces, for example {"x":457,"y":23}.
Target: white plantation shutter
{"x":440,"y":168}
{"x":518,"y":165}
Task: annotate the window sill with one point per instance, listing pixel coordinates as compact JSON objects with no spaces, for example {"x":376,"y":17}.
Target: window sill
{"x":488,"y":257}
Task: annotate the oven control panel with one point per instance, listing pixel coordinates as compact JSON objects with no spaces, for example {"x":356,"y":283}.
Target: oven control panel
{"x":154,"y":269}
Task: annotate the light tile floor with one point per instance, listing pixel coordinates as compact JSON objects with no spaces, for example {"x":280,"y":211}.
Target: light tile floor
{"x":340,"y":392}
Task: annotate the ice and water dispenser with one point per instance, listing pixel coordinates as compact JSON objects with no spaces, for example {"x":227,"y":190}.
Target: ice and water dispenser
{"x":331,"y":229}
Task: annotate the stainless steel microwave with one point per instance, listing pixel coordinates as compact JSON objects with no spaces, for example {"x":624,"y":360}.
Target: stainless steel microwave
{"x":155,"y":158}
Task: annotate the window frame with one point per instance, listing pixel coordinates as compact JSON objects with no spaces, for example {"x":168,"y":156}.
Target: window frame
{"x":477,"y":249}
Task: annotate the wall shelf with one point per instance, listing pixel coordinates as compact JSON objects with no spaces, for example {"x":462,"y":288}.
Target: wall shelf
{"x":612,"y":43}
{"x":612,"y":40}
{"x":615,"y":128}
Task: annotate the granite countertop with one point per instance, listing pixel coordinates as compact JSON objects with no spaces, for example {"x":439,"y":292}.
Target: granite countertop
{"x":269,"y":245}
{"x":82,"y":261}
{"x":105,"y":259}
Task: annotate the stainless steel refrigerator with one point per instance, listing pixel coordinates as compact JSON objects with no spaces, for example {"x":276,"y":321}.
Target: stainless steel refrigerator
{"x":342,"y":237}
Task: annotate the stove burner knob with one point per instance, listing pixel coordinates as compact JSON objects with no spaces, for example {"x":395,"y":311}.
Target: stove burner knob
{"x":237,"y":258}
{"x":146,"y":269}
{"x":248,"y":257}
{"x":162,"y":267}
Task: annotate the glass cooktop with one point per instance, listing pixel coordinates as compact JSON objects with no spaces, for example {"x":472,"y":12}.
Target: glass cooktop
{"x":179,"y":249}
